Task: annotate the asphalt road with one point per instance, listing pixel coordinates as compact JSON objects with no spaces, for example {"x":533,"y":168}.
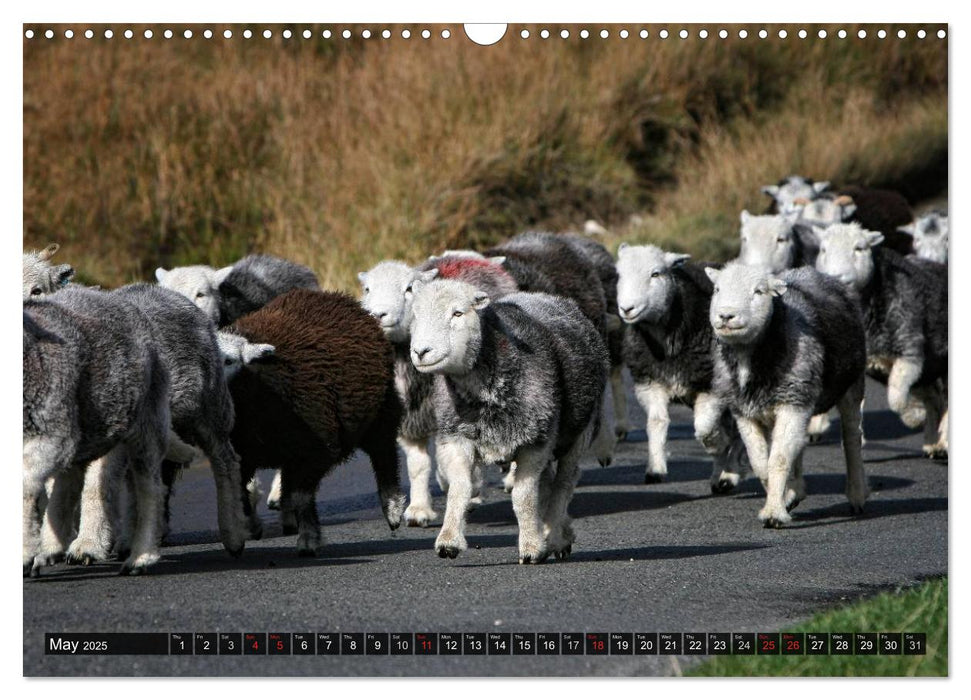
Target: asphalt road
{"x":659,"y":558}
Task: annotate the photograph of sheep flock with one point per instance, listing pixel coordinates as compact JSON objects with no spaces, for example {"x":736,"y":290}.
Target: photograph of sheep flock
{"x":384,"y":350}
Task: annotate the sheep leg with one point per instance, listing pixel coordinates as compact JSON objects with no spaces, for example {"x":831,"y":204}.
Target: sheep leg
{"x":308,"y":523}
{"x":756,"y":446}
{"x":234,"y":522}
{"x":455,"y":459}
{"x":419,"y":512}
{"x":788,"y":441}
{"x":796,"y":486}
{"x":509,"y":478}
{"x":904,"y":372}
{"x":851,"y":420}
{"x":146,"y":466}
{"x":818,"y":425}
{"x":530,"y":464}
{"x":933,"y":402}
{"x":123,"y":520}
{"x":95,"y":530}
{"x":558,"y":526}
{"x":42,"y":458}
{"x":654,"y":399}
{"x":619,"y":395}
{"x":709,"y":413}
{"x":57,"y":527}
{"x":273,"y":499}
{"x":384,"y":461}
{"x":605,"y":440}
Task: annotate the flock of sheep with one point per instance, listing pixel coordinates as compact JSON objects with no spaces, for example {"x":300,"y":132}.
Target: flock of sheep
{"x":501,"y":357}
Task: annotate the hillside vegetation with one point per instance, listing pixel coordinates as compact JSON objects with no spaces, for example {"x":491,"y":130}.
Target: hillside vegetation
{"x":337,"y":153}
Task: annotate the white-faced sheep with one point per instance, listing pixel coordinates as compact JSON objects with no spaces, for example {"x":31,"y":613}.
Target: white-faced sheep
{"x":387,"y":294}
{"x":905,"y":315}
{"x":788,"y":347}
{"x":664,"y":301}
{"x":326,"y":389}
{"x":40,"y":276}
{"x":94,"y":387}
{"x":518,"y":380}
{"x":930,"y":234}
{"x":883,"y":211}
{"x":789,"y":189}
{"x":776,"y":241}
{"x":230,"y":292}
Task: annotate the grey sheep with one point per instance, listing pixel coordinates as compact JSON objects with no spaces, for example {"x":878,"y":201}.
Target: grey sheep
{"x":40,"y":277}
{"x":94,"y":388}
{"x":517,"y":380}
{"x":555,"y":264}
{"x":231,"y":292}
{"x":905,"y":315}
{"x":663,"y":300}
{"x":201,"y":414}
{"x":788,"y":347}
{"x":387,"y":294}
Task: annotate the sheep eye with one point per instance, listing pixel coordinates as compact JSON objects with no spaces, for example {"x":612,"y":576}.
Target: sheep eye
{"x":781,"y":239}
{"x":227,"y":362}
{"x":655,"y":274}
{"x":408,"y":290}
{"x":200,"y":295}
{"x":457,"y":314}
{"x":367,"y":290}
{"x":760,"y":291}
{"x":36,"y":292}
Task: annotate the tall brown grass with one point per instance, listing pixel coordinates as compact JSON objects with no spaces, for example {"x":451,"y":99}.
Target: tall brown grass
{"x":338,"y":153}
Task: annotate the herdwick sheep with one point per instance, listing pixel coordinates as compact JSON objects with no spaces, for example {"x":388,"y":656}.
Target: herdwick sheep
{"x":776,"y":241}
{"x":230,"y":292}
{"x":518,"y":380}
{"x":789,"y":346}
{"x":905,"y":316}
{"x":387,"y":294}
{"x":664,"y":301}
{"x":883,"y":211}
{"x":780,"y":242}
{"x":930,"y":236}
{"x":40,"y":277}
{"x":606,"y":269}
{"x":791,"y":188}
{"x":95,"y":388}
{"x":325,"y":389}
{"x":556,"y":264}
{"x":201,"y":413}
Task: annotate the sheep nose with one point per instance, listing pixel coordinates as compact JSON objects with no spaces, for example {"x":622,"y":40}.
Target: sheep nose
{"x":726,"y":317}
{"x":627,"y":310}
{"x":380,"y":315}
{"x":420,"y":354}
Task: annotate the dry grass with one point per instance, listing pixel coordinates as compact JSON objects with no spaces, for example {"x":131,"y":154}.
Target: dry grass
{"x":338,"y":153}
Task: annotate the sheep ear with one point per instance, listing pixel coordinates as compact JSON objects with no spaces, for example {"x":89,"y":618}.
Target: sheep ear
{"x":257,"y":352}
{"x":744,"y":216}
{"x":498,"y":260}
{"x":220,"y":275}
{"x":848,"y":210}
{"x":675,"y":259}
{"x":63,"y":274}
{"x":820,"y":187}
{"x":428,"y":275}
{"x":622,"y":247}
{"x":362,"y":277}
{"x":873,"y":238}
{"x":777,"y":287}
{"x":161,"y":273}
{"x":480,"y":301}
{"x":48,"y":252}
{"x":771,"y":190}
{"x":909,"y":229}
{"x":712,"y":273}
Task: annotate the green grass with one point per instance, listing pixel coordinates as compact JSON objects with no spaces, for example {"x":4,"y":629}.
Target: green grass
{"x":919,"y":609}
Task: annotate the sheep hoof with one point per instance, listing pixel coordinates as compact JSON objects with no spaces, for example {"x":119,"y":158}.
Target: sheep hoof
{"x":563,"y":553}
{"x":856,"y":509}
{"x":447,"y":552}
{"x":33,"y":571}
{"x":792,"y":506}
{"x":236,"y":552}
{"x":28,"y":568}
{"x":81,"y":558}
{"x":651,"y":478}
{"x":289,"y":529}
{"x":935,"y":452}
{"x":722,"y":486}
{"x":256,"y":531}
{"x":774,"y":523}
{"x":273,"y":503}
{"x":605,"y":461}
{"x":419,"y":516}
{"x":538,"y":558}
{"x":621,"y":434}
{"x":814,"y":438}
